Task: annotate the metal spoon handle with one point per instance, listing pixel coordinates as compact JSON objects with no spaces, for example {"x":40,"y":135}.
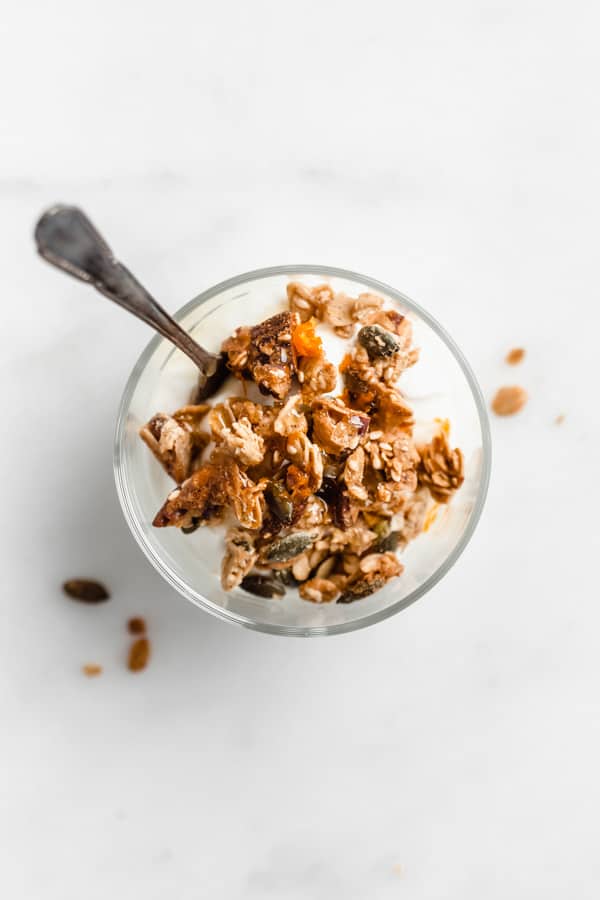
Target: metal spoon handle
{"x":66,"y":238}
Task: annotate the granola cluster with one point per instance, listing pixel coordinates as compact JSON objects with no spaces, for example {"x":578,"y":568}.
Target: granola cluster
{"x":318,"y":483}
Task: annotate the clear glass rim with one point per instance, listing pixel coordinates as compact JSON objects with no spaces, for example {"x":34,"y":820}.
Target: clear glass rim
{"x":137,"y":527}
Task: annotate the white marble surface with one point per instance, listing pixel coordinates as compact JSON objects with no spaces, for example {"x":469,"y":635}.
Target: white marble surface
{"x":451,"y":150}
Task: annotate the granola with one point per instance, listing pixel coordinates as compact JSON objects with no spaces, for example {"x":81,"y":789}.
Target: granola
{"x":316,"y":489}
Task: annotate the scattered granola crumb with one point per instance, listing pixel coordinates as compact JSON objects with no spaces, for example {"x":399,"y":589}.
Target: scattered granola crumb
{"x":560,"y":419}
{"x":85,"y":590}
{"x":139,"y":654}
{"x":91,"y":670}
{"x":509,"y":400}
{"x":515,"y":356}
{"x":136,"y":625}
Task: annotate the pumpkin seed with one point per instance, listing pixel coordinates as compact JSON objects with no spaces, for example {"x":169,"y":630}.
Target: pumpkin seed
{"x":289,"y":547}
{"x":263,"y":586}
{"x":190,"y":529}
{"x":361,"y":589}
{"x":279,"y":502}
{"x":85,"y":590}
{"x":386,"y":544}
{"x":377,"y":341}
{"x":286,"y":577}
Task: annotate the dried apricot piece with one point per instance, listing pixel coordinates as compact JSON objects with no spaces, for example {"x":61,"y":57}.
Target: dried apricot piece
{"x":306,"y":341}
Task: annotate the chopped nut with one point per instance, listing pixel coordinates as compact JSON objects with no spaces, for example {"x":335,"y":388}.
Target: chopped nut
{"x":239,"y":558}
{"x":385,"y":564}
{"x":313,"y":513}
{"x":136,"y":625}
{"x":319,"y":590}
{"x":515,"y":356}
{"x":509,"y":400}
{"x":301,"y":567}
{"x":139,"y":654}
{"x":325,"y":569}
{"x":86,"y":590}
{"x":356,"y":539}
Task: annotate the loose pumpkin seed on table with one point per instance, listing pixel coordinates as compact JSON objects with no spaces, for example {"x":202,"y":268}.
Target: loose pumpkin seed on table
{"x":86,"y":590}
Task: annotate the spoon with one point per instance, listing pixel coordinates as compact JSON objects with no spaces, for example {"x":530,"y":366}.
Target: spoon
{"x":66,"y":238}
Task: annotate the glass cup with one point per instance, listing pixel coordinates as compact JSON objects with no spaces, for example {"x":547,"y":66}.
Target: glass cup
{"x":440,"y":385}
